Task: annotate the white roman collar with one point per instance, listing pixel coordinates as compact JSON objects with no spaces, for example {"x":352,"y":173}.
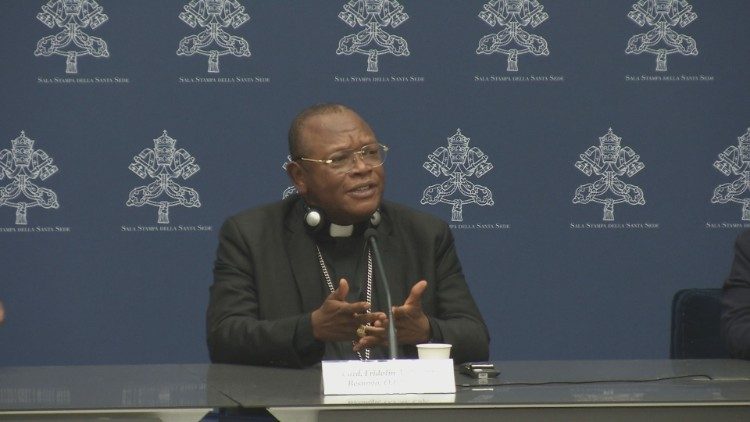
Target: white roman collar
{"x":340,"y":231}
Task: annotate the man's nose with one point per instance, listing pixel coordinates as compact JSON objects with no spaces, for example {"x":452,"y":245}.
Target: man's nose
{"x":359,"y":164}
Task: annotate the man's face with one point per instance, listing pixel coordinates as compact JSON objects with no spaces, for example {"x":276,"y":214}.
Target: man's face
{"x":346,"y":198}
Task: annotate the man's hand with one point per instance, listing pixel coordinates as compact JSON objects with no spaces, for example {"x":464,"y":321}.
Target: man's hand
{"x":338,"y":320}
{"x":412,"y":325}
{"x":377,"y":335}
{"x":2,"y":313}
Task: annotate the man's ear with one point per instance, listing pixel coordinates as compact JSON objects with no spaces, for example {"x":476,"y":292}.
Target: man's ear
{"x":297,"y":174}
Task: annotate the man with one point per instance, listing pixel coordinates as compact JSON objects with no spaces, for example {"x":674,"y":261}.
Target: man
{"x":735,"y":318}
{"x":294,"y":281}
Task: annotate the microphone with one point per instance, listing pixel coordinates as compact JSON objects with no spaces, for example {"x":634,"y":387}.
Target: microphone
{"x":371,"y":235}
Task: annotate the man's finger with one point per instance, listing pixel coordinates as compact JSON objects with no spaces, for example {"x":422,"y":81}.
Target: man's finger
{"x":398,"y":312}
{"x":371,"y":331}
{"x":415,"y":295}
{"x":356,"y":309}
{"x":371,"y":341}
{"x":341,"y":292}
{"x":375,"y":331}
{"x":371,"y":318}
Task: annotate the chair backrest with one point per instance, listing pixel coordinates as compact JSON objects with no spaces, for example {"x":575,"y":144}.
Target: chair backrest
{"x":696,"y":325}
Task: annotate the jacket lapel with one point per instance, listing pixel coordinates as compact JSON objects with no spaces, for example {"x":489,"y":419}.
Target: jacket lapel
{"x":393,"y":261}
{"x":304,"y":263}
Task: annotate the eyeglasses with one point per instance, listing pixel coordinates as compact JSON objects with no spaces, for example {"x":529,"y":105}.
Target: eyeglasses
{"x":372,"y":155}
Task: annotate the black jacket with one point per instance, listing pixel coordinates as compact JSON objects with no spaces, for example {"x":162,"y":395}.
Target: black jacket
{"x":267,"y":282}
{"x":735,"y":318}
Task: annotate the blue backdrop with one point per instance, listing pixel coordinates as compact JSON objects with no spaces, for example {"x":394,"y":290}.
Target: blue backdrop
{"x":93,"y":277}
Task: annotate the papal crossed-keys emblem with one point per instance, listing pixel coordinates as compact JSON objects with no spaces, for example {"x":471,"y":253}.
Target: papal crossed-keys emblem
{"x":512,"y":16}
{"x":373,"y":41}
{"x":662,"y":40}
{"x":214,"y":41}
{"x":165,"y":164}
{"x":735,"y":160}
{"x":458,"y":162}
{"x":610,"y":162}
{"x":23,"y":164}
{"x":73,"y":16}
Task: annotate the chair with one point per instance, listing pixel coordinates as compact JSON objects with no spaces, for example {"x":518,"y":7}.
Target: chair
{"x":696,"y":325}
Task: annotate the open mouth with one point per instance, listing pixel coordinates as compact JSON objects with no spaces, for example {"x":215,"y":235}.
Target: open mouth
{"x":363,"y":191}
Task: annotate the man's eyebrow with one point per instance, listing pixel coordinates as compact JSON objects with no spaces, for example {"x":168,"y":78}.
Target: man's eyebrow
{"x":374,"y":142}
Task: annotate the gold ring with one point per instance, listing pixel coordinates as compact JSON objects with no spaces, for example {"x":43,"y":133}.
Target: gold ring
{"x":362,"y":331}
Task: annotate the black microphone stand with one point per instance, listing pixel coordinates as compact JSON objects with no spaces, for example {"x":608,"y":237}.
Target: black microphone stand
{"x":370,"y":235}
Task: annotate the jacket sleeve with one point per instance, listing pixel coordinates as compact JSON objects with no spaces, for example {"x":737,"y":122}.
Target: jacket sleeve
{"x":457,"y":320}
{"x":235,"y":331}
{"x":735,"y":318}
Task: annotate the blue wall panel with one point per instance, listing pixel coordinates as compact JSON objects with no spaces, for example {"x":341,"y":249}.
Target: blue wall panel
{"x":109,"y":284}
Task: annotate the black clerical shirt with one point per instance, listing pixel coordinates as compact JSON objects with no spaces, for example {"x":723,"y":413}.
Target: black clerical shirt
{"x":345,"y":257}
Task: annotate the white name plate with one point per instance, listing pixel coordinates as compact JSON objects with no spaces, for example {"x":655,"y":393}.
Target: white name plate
{"x":400,"y":376}
{"x":447,"y":398}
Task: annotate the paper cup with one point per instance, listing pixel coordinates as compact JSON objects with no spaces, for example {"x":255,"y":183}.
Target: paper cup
{"x":434,"y":351}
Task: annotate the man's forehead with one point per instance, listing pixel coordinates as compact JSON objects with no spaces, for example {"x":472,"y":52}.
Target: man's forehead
{"x":336,"y":121}
{"x":334,"y":126}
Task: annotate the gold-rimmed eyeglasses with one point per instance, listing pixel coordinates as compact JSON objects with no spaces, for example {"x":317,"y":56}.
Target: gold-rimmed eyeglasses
{"x":372,"y":155}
